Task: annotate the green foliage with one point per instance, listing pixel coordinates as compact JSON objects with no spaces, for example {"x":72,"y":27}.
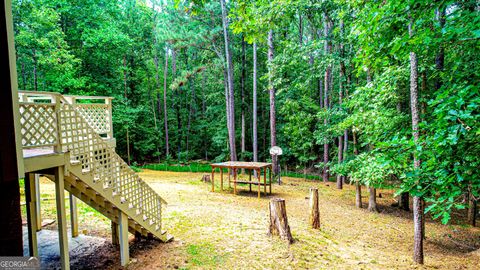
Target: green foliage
{"x":119,"y":49}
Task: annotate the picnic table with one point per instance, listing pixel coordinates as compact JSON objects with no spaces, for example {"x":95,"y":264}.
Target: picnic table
{"x":233,"y":166}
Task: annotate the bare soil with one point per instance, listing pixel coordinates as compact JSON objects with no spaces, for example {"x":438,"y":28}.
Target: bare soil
{"x":223,"y":231}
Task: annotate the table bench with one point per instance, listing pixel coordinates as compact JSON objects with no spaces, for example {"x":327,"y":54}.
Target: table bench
{"x":233,"y":166}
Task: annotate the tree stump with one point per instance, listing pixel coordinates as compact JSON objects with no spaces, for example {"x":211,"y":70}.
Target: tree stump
{"x":278,"y":220}
{"x":314,"y":212}
{"x":206,"y":178}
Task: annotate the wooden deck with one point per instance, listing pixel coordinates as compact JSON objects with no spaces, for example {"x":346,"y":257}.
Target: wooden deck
{"x":70,"y":140}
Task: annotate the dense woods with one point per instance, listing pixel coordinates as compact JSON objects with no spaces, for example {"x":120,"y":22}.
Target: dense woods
{"x":377,"y":94}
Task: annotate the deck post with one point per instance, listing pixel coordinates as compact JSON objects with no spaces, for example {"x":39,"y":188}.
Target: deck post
{"x":30,"y":199}
{"x":61,"y":217}
{"x":73,"y":215}
{"x":37,"y":201}
{"x":115,"y":235}
{"x":123,"y":239}
{"x":108,"y":101}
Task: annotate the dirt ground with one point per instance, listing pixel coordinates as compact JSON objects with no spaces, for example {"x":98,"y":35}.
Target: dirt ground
{"x":223,"y":231}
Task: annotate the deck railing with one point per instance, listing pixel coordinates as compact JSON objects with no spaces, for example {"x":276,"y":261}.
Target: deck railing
{"x":80,"y":126}
{"x":38,"y":116}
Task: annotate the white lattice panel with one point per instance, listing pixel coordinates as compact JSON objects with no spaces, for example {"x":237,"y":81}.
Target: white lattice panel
{"x":97,"y":116}
{"x":38,"y":125}
{"x":76,"y":128}
{"x":96,"y":157}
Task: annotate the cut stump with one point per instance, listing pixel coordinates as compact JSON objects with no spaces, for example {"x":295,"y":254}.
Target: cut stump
{"x":206,"y":178}
{"x":278,"y":220}
{"x":314,"y":212}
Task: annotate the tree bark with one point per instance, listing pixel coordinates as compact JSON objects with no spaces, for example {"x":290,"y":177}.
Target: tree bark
{"x":440,"y":57}
{"x":418,"y":216}
{"x":278,"y":220}
{"x":358,"y":195}
{"x":231,"y":99}
{"x":165,"y":115}
{"x":271,"y":90}
{"x":35,"y":75}
{"x":340,"y":179}
{"x":300,"y":29}
{"x":126,"y":97}
{"x":177,"y":103}
{"x":372,"y":199}
{"x":404,"y":201}
{"x":472,"y":210}
{"x":326,"y":102}
{"x":255,"y":134}
{"x":314,"y":212}
{"x":340,"y":160}
{"x":24,"y":76}
{"x":242,"y":81}
{"x":204,"y":104}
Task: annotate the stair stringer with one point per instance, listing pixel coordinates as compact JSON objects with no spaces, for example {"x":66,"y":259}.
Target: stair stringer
{"x":107,"y":194}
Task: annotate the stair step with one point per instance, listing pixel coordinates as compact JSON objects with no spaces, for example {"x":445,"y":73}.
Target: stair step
{"x":75,"y":162}
{"x":168,"y":238}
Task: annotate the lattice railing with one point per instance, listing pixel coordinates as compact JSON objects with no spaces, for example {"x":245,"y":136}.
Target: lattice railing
{"x":38,"y":119}
{"x":97,"y":111}
{"x":64,"y":125}
{"x":106,"y":165}
{"x":38,"y":124}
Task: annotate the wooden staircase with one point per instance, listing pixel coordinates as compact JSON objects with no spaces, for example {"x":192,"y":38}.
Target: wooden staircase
{"x":81,"y":135}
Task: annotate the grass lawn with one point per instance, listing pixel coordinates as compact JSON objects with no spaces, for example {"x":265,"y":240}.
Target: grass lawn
{"x":223,"y":231}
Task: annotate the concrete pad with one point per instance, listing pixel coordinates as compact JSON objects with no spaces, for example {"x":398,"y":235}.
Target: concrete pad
{"x":49,"y":251}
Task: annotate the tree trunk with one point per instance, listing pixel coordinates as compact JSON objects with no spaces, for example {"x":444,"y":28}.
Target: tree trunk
{"x":24,"y":77}
{"x":165,"y":115}
{"x":358,"y":195}
{"x":404,"y":201}
{"x":326,"y":104}
{"x":271,"y":90}
{"x":278,"y":220}
{"x":340,"y":160}
{"x":340,"y":179}
{"x":358,"y":187}
{"x":418,"y":216}
{"x":472,"y":210}
{"x":440,"y":57}
{"x":255,"y":134}
{"x":314,"y":212}
{"x":372,"y":199}
{"x":242,"y":81}
{"x":300,"y":29}
{"x":231,"y":99}
{"x":227,"y":105}
{"x":126,"y":97}
{"x":35,"y":76}
{"x":177,"y":103}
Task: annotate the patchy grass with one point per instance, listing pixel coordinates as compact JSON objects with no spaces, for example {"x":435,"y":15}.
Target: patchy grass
{"x":222,"y":231}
